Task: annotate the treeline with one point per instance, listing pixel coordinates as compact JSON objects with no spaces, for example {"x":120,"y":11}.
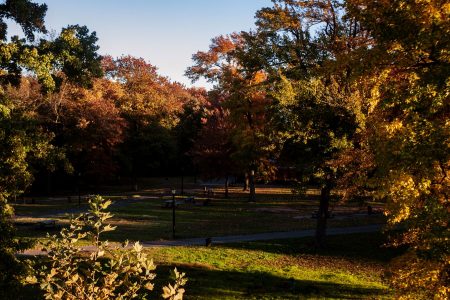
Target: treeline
{"x":129,"y":123}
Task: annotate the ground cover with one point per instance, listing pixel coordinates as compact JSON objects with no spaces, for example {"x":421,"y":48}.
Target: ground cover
{"x":351,"y":267}
{"x":144,"y":216}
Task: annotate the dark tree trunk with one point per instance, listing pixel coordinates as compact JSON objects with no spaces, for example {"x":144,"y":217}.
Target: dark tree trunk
{"x":226,"y":186}
{"x":49,"y":184}
{"x":322,"y":215}
{"x":134,"y":176}
{"x":251,"y":180}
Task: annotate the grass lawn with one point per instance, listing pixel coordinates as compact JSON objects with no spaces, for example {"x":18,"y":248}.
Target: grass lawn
{"x":350,"y":268}
{"x":145,"y":218}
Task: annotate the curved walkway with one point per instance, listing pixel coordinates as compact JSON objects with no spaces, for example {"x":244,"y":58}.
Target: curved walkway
{"x":261,"y":236}
{"x":239,"y":238}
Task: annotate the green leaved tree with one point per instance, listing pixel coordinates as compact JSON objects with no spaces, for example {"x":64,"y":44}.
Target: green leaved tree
{"x":71,"y":55}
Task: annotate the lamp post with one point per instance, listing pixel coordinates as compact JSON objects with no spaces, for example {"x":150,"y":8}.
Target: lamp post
{"x":78,"y":188}
{"x":182,"y":181}
{"x":173,"y":213}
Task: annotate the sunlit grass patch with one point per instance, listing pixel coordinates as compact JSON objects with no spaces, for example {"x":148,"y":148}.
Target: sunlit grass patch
{"x":351,"y":267}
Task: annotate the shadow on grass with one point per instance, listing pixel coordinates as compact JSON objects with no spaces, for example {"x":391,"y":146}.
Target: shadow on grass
{"x":204,"y":283}
{"x":362,"y":246}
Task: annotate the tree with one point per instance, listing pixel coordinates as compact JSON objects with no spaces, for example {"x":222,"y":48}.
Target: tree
{"x":20,"y":143}
{"x":152,"y":106}
{"x":245,"y":99}
{"x":214,"y":146}
{"x":88,"y":126}
{"x":17,"y":143}
{"x":408,"y":69}
{"x":22,"y":139}
{"x":189,"y":129}
{"x":390,"y":63}
{"x":288,"y":69}
{"x":318,"y":127}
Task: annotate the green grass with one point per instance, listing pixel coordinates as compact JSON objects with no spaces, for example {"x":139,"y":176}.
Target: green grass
{"x":350,"y":268}
{"x":147,"y":219}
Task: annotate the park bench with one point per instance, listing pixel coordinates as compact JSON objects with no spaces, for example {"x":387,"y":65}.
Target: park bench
{"x":169,"y":203}
{"x":47,"y":224}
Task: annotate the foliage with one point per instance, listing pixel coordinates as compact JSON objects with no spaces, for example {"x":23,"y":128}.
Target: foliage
{"x":70,"y":56}
{"x":11,"y":269}
{"x":407,"y":72}
{"x":244,"y":98}
{"x":359,"y":91}
{"x":106,"y":273}
{"x":23,"y":142}
{"x":285,"y":98}
{"x":213,"y":148}
{"x":152,"y":107}
{"x":189,"y":127}
{"x":75,"y":53}
{"x":87,"y":125}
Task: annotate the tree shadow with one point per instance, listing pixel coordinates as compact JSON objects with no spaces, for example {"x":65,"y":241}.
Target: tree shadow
{"x":362,"y":246}
{"x":206,"y":283}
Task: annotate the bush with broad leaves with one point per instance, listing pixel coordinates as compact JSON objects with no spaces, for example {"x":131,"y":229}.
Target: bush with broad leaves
{"x":107,"y":272}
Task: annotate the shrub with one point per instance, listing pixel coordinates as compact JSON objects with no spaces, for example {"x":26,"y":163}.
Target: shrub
{"x":12,"y":271}
{"x":107,"y":272}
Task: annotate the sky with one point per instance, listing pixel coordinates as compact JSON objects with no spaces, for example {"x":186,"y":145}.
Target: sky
{"x":164,"y":32}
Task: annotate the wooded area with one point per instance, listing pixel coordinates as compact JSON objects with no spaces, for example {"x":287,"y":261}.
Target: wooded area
{"x":350,"y":97}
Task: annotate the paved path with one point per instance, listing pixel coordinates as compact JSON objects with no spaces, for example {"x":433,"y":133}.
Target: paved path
{"x":240,"y":238}
{"x":261,"y":236}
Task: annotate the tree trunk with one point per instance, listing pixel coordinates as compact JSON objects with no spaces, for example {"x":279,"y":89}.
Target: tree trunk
{"x":251,"y":180}
{"x":49,"y":184}
{"x":226,"y":186}
{"x":135,"y":183}
{"x":322,"y":215}
{"x":246,"y":182}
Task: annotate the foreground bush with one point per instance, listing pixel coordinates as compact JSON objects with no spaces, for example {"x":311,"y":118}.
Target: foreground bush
{"x":104,"y":273}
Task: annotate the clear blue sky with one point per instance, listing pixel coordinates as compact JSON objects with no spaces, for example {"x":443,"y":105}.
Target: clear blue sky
{"x":164,"y":32}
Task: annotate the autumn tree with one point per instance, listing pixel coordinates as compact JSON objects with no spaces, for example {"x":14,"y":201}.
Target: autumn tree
{"x":88,"y":126}
{"x":389,"y":65}
{"x":213,"y":147}
{"x":245,"y":99}
{"x":287,"y":93}
{"x":408,"y":69}
{"x":309,"y":38}
{"x":152,"y":106}
{"x":188,"y":131}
